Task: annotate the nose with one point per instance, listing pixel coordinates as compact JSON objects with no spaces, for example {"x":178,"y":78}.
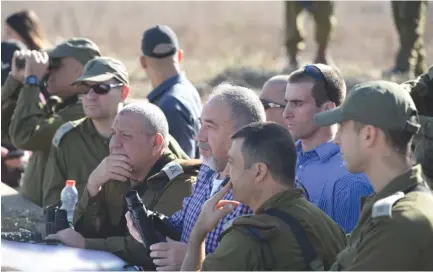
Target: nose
{"x":91,"y":94}
{"x":287,"y":112}
{"x":201,"y":135}
{"x":115,"y":143}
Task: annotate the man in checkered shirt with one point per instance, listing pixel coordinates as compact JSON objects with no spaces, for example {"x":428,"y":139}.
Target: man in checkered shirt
{"x":229,"y":108}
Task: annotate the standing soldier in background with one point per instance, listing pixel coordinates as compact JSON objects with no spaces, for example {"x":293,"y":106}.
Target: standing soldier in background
{"x":323,"y":13}
{"x":409,"y":20}
{"x":34,"y":122}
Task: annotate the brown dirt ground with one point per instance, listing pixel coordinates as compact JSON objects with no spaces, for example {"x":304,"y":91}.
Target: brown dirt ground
{"x":220,"y":35}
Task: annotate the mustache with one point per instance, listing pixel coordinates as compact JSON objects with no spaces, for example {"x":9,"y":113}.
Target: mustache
{"x":204,"y":145}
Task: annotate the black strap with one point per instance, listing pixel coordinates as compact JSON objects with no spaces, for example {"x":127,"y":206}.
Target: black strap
{"x":418,"y":188}
{"x":309,"y":254}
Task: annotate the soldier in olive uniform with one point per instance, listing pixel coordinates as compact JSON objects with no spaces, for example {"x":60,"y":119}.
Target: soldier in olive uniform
{"x":421,"y":91}
{"x":323,"y":13}
{"x":286,"y":232}
{"x":395,"y":230}
{"x":34,"y":121}
{"x":79,"y":146}
{"x":139,"y":159}
{"x":409,"y":20}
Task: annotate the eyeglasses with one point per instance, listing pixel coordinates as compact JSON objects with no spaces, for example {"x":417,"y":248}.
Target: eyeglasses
{"x":268,"y":104}
{"x":315,"y":72}
{"x":101,"y":88}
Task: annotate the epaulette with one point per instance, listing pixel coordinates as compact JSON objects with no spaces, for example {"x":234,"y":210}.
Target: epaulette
{"x":383,"y":207}
{"x":172,"y":170}
{"x":65,"y":128}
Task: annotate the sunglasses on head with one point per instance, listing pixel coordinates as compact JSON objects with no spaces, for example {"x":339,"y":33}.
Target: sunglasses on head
{"x":313,"y":71}
{"x":268,"y":104}
{"x":102,"y":88}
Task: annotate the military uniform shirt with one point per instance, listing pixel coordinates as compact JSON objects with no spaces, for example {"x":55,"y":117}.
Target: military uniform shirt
{"x":278,"y":250}
{"x":77,"y":150}
{"x":101,"y":219}
{"x":32,"y":128}
{"x":395,"y":230}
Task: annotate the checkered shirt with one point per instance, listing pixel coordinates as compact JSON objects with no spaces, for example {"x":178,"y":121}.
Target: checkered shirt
{"x":184,"y":220}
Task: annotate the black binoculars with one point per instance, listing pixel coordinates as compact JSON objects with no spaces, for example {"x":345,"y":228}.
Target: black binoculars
{"x":56,"y":219}
{"x":153,"y":227}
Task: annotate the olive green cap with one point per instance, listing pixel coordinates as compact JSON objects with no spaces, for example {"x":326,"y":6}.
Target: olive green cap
{"x":82,"y":49}
{"x":102,"y":69}
{"x":383,"y":104}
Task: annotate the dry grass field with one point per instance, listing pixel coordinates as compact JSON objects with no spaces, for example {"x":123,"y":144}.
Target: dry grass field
{"x":222,"y":35}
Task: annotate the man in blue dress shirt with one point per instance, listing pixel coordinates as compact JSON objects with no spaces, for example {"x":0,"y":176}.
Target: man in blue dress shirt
{"x":320,"y":165}
{"x":172,"y":91}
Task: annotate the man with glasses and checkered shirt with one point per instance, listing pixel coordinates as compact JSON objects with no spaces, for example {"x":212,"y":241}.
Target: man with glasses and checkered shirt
{"x":320,"y":166}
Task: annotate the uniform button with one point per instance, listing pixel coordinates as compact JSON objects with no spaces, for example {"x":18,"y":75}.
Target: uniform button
{"x":300,"y":167}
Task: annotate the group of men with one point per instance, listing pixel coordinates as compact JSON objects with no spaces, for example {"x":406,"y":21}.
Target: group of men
{"x":299,"y":185}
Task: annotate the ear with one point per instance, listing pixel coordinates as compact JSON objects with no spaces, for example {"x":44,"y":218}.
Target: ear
{"x":143,"y":62}
{"x":180,"y":55}
{"x":261,"y":170}
{"x":158,"y":143}
{"x":124,"y":92}
{"x":328,"y":105}
{"x":369,"y":136}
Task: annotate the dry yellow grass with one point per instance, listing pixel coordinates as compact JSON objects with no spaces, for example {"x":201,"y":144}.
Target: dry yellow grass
{"x":219,"y":35}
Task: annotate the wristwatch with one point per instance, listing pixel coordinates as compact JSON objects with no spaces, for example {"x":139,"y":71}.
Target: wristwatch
{"x":32,"y":80}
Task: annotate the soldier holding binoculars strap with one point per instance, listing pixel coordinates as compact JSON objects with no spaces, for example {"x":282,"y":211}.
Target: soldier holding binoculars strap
{"x":40,"y":108}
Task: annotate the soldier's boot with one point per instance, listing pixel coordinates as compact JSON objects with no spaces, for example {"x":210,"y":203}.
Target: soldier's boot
{"x":292,"y":64}
{"x":323,"y":56}
{"x":398,"y":75}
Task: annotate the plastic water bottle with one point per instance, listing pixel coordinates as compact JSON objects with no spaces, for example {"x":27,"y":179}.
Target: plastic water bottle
{"x":69,"y":198}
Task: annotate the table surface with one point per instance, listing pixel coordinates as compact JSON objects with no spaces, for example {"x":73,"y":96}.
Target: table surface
{"x":18,"y":212}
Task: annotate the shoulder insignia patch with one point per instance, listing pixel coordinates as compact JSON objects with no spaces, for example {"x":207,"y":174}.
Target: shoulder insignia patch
{"x":65,"y":128}
{"x":383,"y":207}
{"x":173,"y":169}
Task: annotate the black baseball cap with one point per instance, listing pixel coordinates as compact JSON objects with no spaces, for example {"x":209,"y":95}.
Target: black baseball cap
{"x":159,"y":42}
{"x":8,"y":48}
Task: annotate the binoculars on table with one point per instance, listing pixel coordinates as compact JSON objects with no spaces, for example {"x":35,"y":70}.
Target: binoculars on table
{"x":56,"y":219}
{"x":153,"y":227}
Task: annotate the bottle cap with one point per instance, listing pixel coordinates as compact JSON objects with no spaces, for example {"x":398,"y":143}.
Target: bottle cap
{"x":70,"y":182}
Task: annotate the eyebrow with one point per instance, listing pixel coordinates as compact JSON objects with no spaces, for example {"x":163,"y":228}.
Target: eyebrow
{"x":209,"y":121}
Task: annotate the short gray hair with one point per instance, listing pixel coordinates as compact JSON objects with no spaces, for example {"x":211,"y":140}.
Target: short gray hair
{"x":244,"y":103}
{"x":154,"y":120}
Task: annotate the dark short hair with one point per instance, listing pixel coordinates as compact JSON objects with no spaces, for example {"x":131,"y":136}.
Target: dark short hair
{"x":328,"y":85}
{"x":271,"y":144}
{"x":399,"y":141}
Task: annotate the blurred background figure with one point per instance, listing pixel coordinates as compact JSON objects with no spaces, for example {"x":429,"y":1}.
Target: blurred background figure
{"x":323,"y":14}
{"x":12,"y":159}
{"x":25,"y":26}
{"x":409,"y":19}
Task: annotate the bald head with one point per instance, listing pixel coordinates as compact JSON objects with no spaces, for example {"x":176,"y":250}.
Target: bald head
{"x":152,"y":117}
{"x":272,"y":96}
